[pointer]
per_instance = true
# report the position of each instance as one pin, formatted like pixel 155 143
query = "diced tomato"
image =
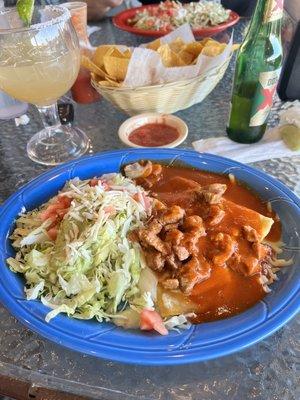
pixel 50 212
pixel 94 182
pixel 52 233
pixel 109 210
pixel 57 210
pixel 136 197
pixel 61 213
pixel 64 201
pixel 151 320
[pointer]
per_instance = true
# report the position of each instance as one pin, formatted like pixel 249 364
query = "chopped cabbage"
pixel 178 322
pixel 91 269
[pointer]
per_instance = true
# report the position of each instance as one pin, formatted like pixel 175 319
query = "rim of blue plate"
pixel 255 323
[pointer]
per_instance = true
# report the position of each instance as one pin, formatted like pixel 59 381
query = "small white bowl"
pixel 152 118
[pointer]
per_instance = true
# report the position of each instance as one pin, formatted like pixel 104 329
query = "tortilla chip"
pixel 100 52
pixel 169 58
pixel 213 43
pixel 177 45
pixel 88 64
pixel 194 48
pixel 154 45
pixel 213 50
pixel 109 49
pixel 115 52
pixel 127 53
pixel 207 40
pixel 186 57
pixel 116 67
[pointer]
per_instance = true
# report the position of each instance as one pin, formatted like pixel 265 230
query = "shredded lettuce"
pixel 178 322
pixel 91 269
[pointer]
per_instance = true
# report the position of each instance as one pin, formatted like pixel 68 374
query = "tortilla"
pixel 246 216
pixel 173 302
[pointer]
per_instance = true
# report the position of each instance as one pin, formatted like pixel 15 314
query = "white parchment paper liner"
pixel 146 68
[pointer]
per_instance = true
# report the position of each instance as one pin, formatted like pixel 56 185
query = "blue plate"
pixel 201 342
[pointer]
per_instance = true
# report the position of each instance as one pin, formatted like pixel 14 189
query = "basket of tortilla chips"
pixel 160 77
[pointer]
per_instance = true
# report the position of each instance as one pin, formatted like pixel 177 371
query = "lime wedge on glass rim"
pixel 290 134
pixel 25 10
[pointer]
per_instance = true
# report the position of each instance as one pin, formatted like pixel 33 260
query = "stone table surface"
pixel 268 370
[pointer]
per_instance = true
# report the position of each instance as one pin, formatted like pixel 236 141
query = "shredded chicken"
pixel 234 262
pixel 150 239
pixel 145 173
pixel 181 252
pixel 155 226
pixel 250 266
pixel 172 215
pixel 213 193
pixel 192 222
pixel 193 229
pixel 138 170
pixel 155 259
pixel 216 214
pixel 226 246
pixel 170 245
pixel 158 205
pixel 170 227
pixel 171 262
pixel 192 273
pixel 174 236
pixel 261 250
pixel 250 234
pixel 190 242
pixel 156 169
pixel 172 240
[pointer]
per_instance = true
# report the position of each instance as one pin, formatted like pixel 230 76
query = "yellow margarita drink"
pixel 39 63
pixel 42 82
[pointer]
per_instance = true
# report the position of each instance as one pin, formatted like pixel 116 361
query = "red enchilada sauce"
pixel 153 135
pixel 226 292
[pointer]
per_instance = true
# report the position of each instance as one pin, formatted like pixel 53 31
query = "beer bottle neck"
pixel 267 18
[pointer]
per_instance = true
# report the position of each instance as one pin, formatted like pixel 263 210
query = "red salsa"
pixel 153 135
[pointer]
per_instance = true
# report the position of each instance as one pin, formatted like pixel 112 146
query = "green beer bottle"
pixel 257 72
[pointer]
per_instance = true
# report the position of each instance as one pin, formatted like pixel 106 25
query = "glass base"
pixel 56 145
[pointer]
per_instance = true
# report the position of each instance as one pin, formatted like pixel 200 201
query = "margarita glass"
pixel 39 64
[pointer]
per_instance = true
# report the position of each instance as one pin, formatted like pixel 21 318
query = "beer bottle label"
pixel 273 10
pixel 263 98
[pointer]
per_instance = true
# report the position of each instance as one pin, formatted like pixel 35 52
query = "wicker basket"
pixel 164 98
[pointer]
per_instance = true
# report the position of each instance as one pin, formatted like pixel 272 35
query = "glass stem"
pixel 49 115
